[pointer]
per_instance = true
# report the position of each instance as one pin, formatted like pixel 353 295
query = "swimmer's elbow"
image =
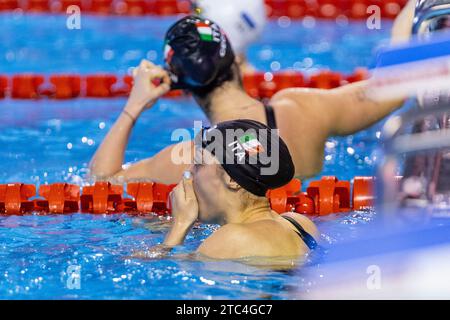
pixel 99 172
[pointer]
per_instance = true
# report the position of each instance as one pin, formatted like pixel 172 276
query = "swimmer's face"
pixel 209 187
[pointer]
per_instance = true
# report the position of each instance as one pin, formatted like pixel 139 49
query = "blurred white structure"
pixel 242 20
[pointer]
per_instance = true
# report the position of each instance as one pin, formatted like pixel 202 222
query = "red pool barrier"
pixel 277 8
pixel 285 199
pixel 37 5
pixel 7 5
pixel 148 197
pixel 62 5
pixel 251 83
pixel 305 205
pixel 323 197
pixel 363 193
pixel 289 79
pixel 100 86
pixel 330 8
pixel 102 7
pixel 15 198
pixel 101 198
pixel 297 9
pixel 59 198
pixel 294 9
pixel 359 74
pixel 267 89
pixel 132 7
pixel 326 80
pixel 166 7
pixel 3 86
pixel 66 86
pixel 26 86
pixel 330 195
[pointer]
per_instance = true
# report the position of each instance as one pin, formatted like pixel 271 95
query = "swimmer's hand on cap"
pixel 184 211
pixel 145 92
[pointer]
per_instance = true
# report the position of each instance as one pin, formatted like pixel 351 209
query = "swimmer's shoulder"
pixel 304 98
pixel 231 241
pixel 305 222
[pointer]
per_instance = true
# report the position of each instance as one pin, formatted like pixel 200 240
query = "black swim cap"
pixel 251 153
pixel 197 53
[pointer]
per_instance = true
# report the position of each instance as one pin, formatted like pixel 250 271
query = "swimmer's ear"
pixel 228 181
pixel 232 185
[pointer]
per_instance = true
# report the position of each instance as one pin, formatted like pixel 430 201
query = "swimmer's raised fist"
pixel 150 83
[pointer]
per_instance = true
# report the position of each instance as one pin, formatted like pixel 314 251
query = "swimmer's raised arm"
pixel 350 108
pixel 401 30
pixel 161 167
pixel 341 111
pixel 107 161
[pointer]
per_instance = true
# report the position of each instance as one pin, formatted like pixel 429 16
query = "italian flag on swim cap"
pixel 168 53
pixel 250 144
pixel 205 31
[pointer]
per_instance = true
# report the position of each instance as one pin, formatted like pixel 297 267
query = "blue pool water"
pixel 49 141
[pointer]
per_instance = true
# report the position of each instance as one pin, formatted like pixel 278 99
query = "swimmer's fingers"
pixel 188 189
pixel 159 73
pixel 147 67
pixel 162 89
pixel 145 64
pixel 147 72
pixel 177 193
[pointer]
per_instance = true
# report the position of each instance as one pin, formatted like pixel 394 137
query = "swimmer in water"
pixel 242 21
pixel 200 60
pixel 227 186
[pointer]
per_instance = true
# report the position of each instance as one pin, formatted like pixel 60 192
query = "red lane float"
pixel 7 5
pixel 294 9
pixel 330 195
pixel 58 198
pixel 3 86
pixel 65 86
pixel 26 86
pixel 37 6
pixel 14 198
pixel 363 193
pixel 323 197
pixel 103 197
pixel 148 197
pixel 68 86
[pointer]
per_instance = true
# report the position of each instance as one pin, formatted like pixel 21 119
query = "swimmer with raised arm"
pixel 240 160
pixel 200 60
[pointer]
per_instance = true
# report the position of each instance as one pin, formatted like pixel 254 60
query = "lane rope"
pixel 322 197
pixel 259 85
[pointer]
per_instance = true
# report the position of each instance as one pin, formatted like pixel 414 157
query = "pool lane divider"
pixel 294 9
pixel 259 85
pixel 322 197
